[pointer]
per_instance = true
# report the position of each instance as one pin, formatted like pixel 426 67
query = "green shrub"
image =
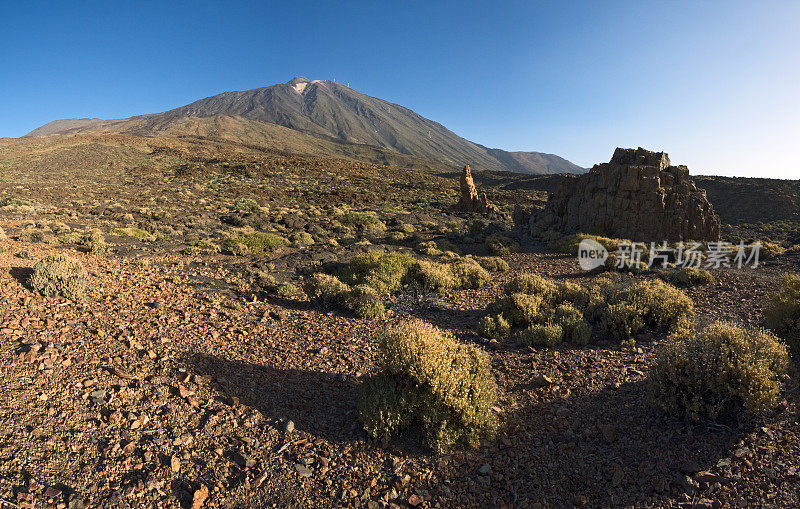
pixel 384 272
pixel 467 273
pixel 430 380
pixel 286 290
pixel 359 218
pixel 59 275
pixel 499 244
pixel 621 320
pixel 541 334
pixel 71 238
pixel 531 284
pixel 520 309
pixel 493 263
pixel 658 303
pixel 365 302
pixel 326 289
pixel 254 242
pixel 428 248
pixel 494 327
pixel 31 234
pixel 782 314
pixel 136 233
pixel 570 318
pixel 770 250
pixel 247 205
pixel 687 276
pixel 573 293
pixel 302 239
pixel 202 247
pixel 717 372
pixel 432 276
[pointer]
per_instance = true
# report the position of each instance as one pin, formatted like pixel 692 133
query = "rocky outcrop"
pixel 638 195
pixel 470 201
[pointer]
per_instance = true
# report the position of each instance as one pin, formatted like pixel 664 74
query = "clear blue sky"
pixel 715 84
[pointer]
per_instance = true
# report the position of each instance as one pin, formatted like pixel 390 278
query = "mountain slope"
pixel 332 111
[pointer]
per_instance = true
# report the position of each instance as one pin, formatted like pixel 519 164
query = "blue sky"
pixel 715 84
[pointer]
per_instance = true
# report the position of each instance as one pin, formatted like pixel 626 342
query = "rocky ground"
pixel 182 383
pixel 153 393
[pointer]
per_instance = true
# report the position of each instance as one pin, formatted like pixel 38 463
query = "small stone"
pixel 200 497
pixel 288 427
pixel 303 470
pixel 542 380
pixel 415 500
pixel 175 464
pixel 485 469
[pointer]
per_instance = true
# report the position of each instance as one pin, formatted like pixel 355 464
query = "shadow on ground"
pixel 321 404
pixel 21 274
pixel 604 449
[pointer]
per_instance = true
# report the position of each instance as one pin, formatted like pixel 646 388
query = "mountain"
pixel 329 111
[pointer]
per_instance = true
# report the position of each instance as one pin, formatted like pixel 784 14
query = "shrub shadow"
pixel 603 449
pixel 21 274
pixel 320 404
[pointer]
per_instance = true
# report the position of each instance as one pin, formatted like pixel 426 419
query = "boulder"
pixel 637 195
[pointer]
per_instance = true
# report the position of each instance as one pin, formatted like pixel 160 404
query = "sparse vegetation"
pixel 717 372
pixel 782 314
pixel 58 275
pixel 430 380
pixel 254 242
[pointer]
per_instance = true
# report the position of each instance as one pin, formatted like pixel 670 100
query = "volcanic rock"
pixel 470 201
pixel 638 195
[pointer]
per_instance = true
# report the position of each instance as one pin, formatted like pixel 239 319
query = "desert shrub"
pixel 658 303
pixel 717 372
pixel 770 250
pixel 359 218
pixel 467 273
pixel 254 242
pixel 493 264
pixel 71 238
pixel 432 276
pixel 782 314
pixel 499 244
pixel 428 248
pixel 58 275
pixel 575 329
pixel 541 334
pixel 365 302
pixel 621 320
pixel 326 289
pixel 136 233
pixel 94 241
pixel 246 205
pixel 384 272
pixel 494 326
pixel 302 239
pixel 202 247
pixel 520 309
pixel 687 276
pixel 430 380
pixel 286 290
pixel 31 234
pixel 573 293
pixel 531 284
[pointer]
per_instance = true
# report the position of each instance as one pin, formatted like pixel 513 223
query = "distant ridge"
pixel 333 112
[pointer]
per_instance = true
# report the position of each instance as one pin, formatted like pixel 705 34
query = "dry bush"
pixel 467 273
pixel 541 334
pixel 687 276
pixel 430 380
pixel 365 302
pixel 782 314
pixel 384 272
pixel 494 326
pixel 58 275
pixel 254 242
pixel 326 289
pixel 493 263
pixel 717 372
pixel 499 244
pixel 432 276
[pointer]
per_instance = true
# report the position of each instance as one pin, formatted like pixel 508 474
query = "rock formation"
pixel 470 201
pixel 638 195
